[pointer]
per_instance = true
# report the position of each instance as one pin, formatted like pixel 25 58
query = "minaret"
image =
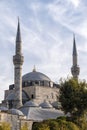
pixel 18 60
pixel 75 68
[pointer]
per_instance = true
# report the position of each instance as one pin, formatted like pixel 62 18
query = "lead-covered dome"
pixel 11 96
pixel 16 112
pixel 35 76
pixel 30 104
pixel 2 108
pixel 45 104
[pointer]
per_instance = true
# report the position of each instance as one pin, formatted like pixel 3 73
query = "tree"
pixel 55 124
pixel 25 127
pixel 73 97
pixel 40 126
pixel 4 126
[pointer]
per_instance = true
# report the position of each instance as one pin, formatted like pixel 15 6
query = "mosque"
pixel 33 96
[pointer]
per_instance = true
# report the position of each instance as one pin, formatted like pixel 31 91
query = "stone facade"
pixel 38 93
pixel 41 93
pixel 16 122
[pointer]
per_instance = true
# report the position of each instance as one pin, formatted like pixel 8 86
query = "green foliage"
pixel 4 126
pixel 40 126
pixel 58 124
pixel 71 126
pixel 82 123
pixel 24 127
pixel 73 97
pixel 53 125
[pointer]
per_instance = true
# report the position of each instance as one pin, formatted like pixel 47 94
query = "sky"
pixel 47 28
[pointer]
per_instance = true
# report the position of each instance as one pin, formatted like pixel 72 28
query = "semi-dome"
pixel 2 108
pixel 35 76
pixel 16 112
pixel 11 96
pixel 45 104
pixel 30 104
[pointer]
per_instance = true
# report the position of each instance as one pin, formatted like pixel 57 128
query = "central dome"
pixel 35 76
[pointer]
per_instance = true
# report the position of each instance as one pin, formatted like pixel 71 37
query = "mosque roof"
pixel 2 108
pixel 45 104
pixel 11 96
pixel 30 104
pixel 15 112
pixel 35 76
pixel 40 114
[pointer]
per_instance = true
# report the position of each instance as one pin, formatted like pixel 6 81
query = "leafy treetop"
pixel 73 96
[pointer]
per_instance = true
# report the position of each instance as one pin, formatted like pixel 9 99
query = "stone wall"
pixel 41 93
pixel 15 121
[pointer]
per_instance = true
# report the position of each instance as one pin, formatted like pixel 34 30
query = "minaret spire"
pixel 34 69
pixel 74 46
pixel 18 39
pixel 74 51
pixel 75 68
pixel 18 36
pixel 18 60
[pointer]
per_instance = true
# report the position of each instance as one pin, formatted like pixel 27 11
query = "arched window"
pixel 41 83
pixel 10 103
pixel 52 95
pixel 32 96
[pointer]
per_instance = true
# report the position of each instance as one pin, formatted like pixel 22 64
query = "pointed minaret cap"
pixel 74 45
pixel 18 36
pixel 34 69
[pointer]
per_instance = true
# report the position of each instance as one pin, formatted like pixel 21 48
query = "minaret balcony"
pixel 18 59
pixel 75 70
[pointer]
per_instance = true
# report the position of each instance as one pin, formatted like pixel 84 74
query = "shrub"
pixel 58 124
pixel 24 127
pixel 5 126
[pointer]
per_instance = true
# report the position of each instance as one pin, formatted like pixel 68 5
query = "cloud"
pixel 72 19
pixel 75 2
pixel 46 29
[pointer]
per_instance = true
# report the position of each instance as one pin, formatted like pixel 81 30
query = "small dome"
pixel 16 112
pixel 30 104
pixel 56 105
pixel 45 104
pixel 35 76
pixel 2 108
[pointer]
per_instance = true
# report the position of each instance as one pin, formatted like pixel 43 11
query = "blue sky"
pixel 47 28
